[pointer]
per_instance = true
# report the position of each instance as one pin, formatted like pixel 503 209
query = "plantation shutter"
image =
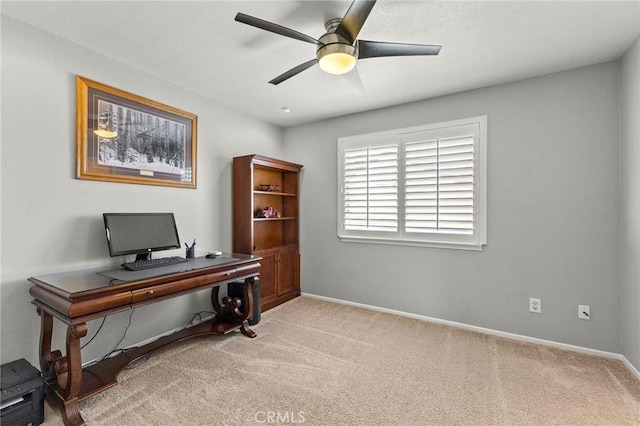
pixel 439 184
pixel 371 188
pixel 417 186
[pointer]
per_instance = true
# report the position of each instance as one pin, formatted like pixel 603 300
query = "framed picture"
pixel 121 137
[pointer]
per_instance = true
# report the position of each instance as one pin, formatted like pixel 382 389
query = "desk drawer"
pixel 182 286
pixel 83 307
pixel 247 269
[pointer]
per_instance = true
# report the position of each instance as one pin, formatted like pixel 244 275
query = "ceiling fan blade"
pixel 353 20
pixel 353 80
pixel 293 71
pixel 375 49
pixel 274 28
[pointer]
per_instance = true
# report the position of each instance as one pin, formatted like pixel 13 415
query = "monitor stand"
pixel 143 256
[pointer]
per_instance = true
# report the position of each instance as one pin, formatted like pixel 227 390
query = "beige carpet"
pixel 320 363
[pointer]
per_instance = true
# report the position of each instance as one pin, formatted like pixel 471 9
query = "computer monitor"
pixel 140 233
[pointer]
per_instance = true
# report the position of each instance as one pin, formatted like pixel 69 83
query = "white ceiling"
pixel 198 46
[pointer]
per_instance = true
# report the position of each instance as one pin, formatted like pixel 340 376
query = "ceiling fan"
pixel 338 49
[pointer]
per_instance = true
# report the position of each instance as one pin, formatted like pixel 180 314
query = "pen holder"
pixel 191 252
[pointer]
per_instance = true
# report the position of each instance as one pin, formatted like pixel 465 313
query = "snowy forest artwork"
pixel 142 141
pixel 126 138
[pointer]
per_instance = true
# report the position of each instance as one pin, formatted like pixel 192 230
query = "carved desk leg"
pixel 63 375
pixel 69 375
pixel 248 296
pixel 228 309
pixel 47 358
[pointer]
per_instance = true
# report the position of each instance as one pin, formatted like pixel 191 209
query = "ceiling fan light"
pixel 337 58
pixel 337 63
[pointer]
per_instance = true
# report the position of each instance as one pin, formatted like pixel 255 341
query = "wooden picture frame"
pixel 122 137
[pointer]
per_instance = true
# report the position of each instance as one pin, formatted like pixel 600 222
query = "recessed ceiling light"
pixel 285 109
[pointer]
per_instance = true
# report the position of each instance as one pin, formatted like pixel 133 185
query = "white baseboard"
pixel 630 366
pixel 490 331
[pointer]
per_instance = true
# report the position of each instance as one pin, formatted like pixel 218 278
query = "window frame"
pixel 401 137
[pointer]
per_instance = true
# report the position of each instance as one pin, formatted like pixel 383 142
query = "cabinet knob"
pixel 150 292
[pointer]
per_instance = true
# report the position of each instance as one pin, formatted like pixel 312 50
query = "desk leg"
pixel 47 358
pixel 62 374
pixel 68 371
pixel 248 296
pixel 228 309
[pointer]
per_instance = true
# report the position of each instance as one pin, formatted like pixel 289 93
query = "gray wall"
pixel 630 198
pixel 553 214
pixel 52 221
pixel 554 217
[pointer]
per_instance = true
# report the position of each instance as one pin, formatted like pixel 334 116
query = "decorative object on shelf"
pixel 267 213
pixel 270 188
pixel 126 138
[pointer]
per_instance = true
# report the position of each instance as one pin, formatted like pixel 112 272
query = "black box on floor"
pixel 235 290
pixel 22 394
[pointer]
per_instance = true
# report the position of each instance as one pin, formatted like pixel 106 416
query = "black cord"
pixel 115 349
pixel 94 336
pixel 199 316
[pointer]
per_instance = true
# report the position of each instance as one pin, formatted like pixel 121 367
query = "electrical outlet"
pixel 535 305
pixel 584 312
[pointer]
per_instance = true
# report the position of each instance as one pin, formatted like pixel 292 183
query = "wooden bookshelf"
pixel 274 238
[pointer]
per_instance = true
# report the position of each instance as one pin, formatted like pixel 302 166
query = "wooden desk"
pixel 80 296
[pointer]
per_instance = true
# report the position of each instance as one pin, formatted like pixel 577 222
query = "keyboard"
pixel 139 265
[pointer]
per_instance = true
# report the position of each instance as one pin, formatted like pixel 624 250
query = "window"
pixel 421 186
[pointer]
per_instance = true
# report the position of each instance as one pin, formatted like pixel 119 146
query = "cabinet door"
pixel 267 276
pixel 287 270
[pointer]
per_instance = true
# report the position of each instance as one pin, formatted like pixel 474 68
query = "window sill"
pixel 411 243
